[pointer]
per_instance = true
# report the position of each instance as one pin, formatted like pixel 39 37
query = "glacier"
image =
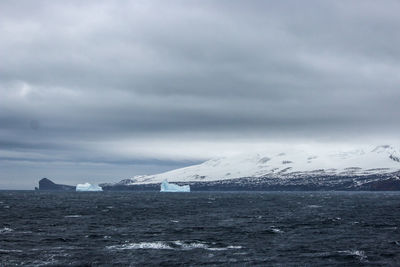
pixel 88 187
pixel 167 187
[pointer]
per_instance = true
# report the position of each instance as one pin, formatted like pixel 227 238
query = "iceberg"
pixel 167 187
pixel 88 187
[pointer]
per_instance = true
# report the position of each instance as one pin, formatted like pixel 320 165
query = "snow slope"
pixel 285 165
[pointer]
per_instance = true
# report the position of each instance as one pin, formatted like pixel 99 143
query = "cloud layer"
pixel 144 86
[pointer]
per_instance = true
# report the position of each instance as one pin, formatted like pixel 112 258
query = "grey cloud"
pixel 82 73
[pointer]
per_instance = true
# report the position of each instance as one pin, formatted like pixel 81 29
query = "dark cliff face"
pixel 46 184
pixel 385 182
pixel 391 184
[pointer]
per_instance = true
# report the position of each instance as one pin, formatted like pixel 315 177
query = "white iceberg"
pixel 88 187
pixel 167 187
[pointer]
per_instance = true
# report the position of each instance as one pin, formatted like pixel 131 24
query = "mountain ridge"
pixel 357 167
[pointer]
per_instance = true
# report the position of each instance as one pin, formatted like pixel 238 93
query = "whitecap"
pixel 188 246
pixel 240 253
pixel 10 250
pixel 216 249
pixel 73 216
pixel 234 247
pixel 170 245
pixel 357 253
pixel 201 245
pixel 6 230
pixel 314 206
pixel 276 230
pixel 142 245
pixel 223 248
pixel 24 232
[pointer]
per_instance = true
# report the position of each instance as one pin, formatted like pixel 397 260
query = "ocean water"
pixel 232 229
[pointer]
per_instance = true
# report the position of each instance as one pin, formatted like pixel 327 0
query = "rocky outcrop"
pixel 47 184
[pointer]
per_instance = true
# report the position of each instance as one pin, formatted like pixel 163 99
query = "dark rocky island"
pixel 48 185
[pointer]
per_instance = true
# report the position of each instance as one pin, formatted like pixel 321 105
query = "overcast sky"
pixel 103 90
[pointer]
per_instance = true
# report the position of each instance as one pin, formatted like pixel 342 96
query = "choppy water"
pixel 129 228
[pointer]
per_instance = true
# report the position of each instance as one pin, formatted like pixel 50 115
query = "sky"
pixel 101 91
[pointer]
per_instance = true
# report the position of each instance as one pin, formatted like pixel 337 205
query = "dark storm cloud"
pixel 78 80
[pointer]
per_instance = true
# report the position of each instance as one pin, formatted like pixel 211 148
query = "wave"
pixel 314 206
pixel 355 253
pixel 10 250
pixel 172 245
pixel 275 230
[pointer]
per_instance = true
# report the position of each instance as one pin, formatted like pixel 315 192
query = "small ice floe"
pixel 170 245
pixel 87 187
pixel 6 230
pixel 167 187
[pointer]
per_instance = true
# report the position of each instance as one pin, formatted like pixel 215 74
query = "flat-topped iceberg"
pixel 88 187
pixel 167 187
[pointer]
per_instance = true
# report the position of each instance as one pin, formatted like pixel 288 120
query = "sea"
pixel 199 228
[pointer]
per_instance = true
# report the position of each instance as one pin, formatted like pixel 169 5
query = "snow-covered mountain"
pixel 285 166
